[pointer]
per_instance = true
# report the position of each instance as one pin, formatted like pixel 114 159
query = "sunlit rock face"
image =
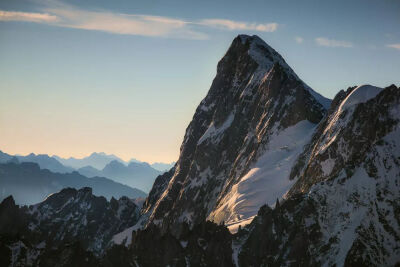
pixel 343 209
pixel 240 146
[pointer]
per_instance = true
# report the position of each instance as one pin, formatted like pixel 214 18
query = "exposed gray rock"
pixel 254 95
pixel 68 216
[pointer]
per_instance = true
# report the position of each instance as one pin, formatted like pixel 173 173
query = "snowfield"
pixel 268 179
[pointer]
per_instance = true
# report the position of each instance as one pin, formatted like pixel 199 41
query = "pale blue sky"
pixel 125 77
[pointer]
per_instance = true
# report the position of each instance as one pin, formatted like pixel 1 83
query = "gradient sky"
pixel 125 77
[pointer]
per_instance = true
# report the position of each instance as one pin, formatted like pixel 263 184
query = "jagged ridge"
pixel 254 96
pixel 65 217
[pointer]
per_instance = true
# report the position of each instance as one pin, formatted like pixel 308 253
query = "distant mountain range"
pixel 29 184
pixel 162 166
pixel 134 173
pixel 96 160
pixel 139 175
pixel 99 160
pixel 44 161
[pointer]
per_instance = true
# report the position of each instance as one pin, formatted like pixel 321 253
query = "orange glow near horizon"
pixel 73 138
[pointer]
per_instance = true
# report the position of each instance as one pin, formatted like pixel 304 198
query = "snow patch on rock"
pixel 361 94
pixel 327 166
pixel 268 178
pixel 214 131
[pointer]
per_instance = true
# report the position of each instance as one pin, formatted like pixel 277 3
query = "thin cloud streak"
pixel 395 46
pixel 322 41
pixel 63 15
pixel 226 24
pixel 26 16
pixel 144 25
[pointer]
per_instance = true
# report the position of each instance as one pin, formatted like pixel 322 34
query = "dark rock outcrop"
pixel 66 217
pixel 206 244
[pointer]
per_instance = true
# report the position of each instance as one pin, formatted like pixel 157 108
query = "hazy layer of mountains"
pixel 134 173
pixel 44 161
pixel 140 175
pixel 270 174
pixel 100 160
pixel 29 184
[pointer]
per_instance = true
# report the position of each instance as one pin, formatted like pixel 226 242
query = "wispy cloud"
pixel 299 39
pixel 395 46
pixel 116 23
pixel 226 24
pixel 64 15
pixel 25 16
pixel 332 43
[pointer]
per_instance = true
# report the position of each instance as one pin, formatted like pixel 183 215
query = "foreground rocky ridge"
pixel 67 217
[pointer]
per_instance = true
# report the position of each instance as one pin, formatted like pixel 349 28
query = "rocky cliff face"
pixel 254 101
pixel 66 217
pixel 344 208
pixel 77 214
pixel 262 134
pixel 358 122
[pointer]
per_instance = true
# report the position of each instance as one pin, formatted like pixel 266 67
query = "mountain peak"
pixel 7 202
pixel 263 54
pixel 255 118
pixel 250 60
pixel 98 154
pixel 138 164
pixel 360 94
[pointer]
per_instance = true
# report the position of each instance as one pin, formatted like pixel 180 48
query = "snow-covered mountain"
pixel 244 138
pixel 318 183
pixel 343 209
